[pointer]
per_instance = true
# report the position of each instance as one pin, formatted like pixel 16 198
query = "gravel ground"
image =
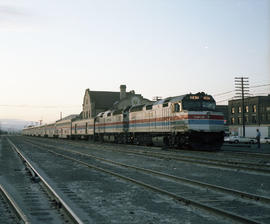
pixel 106 199
pixel 236 179
pixel 28 195
pixel 6 217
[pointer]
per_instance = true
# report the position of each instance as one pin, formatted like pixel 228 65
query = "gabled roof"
pixel 104 99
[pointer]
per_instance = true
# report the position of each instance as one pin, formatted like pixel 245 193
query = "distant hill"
pixel 13 125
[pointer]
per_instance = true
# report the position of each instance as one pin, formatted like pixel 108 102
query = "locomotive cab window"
pixel 208 105
pixel 199 105
pixel 149 107
pixel 177 107
pixel 118 112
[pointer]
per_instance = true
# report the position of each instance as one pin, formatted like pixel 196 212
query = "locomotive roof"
pixel 170 99
pixel 178 98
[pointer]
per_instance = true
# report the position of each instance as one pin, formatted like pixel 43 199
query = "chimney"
pixel 123 91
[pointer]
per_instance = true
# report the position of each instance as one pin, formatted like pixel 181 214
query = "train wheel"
pixel 166 141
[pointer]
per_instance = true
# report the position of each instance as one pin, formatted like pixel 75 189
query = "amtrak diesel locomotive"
pixel 189 120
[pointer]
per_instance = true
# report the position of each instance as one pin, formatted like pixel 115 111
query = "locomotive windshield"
pixel 199 102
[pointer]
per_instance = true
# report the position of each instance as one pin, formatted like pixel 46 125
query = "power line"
pixel 256 86
pixel 259 93
pixel 224 100
pixel 223 93
pixel 259 86
pixel 39 106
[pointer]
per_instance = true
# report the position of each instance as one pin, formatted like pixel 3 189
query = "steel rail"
pixel 253 154
pixel 14 206
pixel 197 160
pixel 209 209
pixel 217 161
pixel 235 154
pixel 68 210
pixel 175 156
pixel 257 198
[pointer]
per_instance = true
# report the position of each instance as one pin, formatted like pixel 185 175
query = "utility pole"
pixel 241 91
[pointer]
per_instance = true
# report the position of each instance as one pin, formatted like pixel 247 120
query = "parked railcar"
pixel 50 130
pixel 29 131
pixel 63 128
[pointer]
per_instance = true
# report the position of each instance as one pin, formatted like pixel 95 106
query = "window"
pixel 246 109
pixel 165 105
pixel 232 120
pixel 254 120
pixel 239 109
pixel 246 119
pixel 232 110
pixel 206 105
pixel 254 109
pixel 176 107
pixel 268 117
pixel 118 112
pixel 198 105
pixel 136 108
pixel 239 120
pixel 149 107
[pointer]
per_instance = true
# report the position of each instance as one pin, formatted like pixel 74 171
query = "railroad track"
pixel 247 153
pixel 202 196
pixel 9 210
pixel 217 163
pixel 176 152
pixel 58 212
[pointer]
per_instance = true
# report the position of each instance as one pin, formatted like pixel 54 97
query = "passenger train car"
pixel 189 120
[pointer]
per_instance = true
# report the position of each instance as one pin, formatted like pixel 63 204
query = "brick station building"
pixel 95 102
pixel 256 115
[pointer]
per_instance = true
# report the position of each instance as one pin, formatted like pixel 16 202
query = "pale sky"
pixel 52 50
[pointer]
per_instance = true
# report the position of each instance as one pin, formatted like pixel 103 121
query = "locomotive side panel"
pixel 114 123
